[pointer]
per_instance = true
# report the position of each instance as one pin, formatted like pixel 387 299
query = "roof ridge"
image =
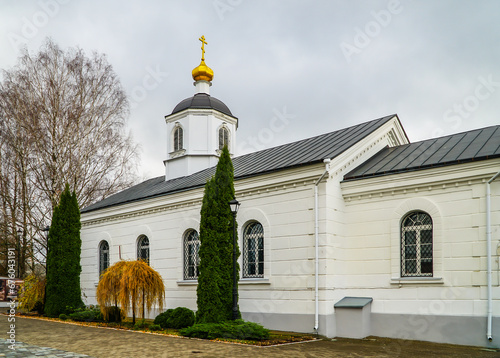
pixel 453 134
pixel 318 136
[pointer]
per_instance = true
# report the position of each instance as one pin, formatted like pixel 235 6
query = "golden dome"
pixel 203 72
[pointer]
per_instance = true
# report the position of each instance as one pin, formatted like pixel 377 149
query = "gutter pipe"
pixel 316 235
pixel 488 253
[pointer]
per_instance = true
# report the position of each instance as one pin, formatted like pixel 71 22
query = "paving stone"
pixel 24 350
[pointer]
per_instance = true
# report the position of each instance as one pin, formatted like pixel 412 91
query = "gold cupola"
pixel 203 72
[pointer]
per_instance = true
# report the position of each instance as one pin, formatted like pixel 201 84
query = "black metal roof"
pixel 202 101
pixel 304 152
pixel 479 144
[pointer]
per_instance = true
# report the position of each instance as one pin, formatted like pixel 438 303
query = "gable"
pixel 475 145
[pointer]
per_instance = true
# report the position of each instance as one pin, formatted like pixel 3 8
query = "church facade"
pixel 351 233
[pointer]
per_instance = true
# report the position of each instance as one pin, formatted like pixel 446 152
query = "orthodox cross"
pixel 203 43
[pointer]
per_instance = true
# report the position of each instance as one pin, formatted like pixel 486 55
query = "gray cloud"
pixel 418 59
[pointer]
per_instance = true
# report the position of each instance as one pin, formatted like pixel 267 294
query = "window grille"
pixel 191 256
pixel 416 245
pixel 253 251
pixel 143 249
pixel 103 256
pixel 223 137
pixel 178 139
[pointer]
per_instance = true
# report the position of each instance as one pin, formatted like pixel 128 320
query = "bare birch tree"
pixel 63 118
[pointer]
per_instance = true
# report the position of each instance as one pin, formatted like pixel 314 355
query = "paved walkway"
pixel 64 338
pixel 24 350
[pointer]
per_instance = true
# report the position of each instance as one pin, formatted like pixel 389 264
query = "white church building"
pixel 352 233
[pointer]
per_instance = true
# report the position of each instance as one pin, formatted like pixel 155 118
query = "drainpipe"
pixel 488 252
pixel 316 234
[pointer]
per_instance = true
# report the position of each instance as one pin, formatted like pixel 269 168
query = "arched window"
pixel 253 250
pixel 191 257
pixel 223 137
pixel 143 248
pixel 416 245
pixel 103 256
pixel 178 138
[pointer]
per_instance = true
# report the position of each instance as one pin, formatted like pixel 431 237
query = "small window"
pixel 223 137
pixel 416 245
pixel 191 255
pixel 178 138
pixel 143 249
pixel 103 257
pixel 253 250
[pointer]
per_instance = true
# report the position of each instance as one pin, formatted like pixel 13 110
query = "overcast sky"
pixel 287 69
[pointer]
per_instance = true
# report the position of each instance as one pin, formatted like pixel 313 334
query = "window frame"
pixel 417 229
pixel 191 262
pixel 103 251
pixel 178 138
pixel 258 255
pixel 141 247
pixel 226 137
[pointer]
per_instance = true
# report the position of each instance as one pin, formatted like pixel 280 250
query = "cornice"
pixel 422 181
pixel 200 112
pixel 121 213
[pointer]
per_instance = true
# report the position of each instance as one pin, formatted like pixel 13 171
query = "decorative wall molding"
pixel 271 188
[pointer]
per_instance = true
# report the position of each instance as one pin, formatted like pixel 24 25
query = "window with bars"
pixel 253 250
pixel 103 256
pixel 416 245
pixel 223 137
pixel 191 257
pixel 143 249
pixel 178 138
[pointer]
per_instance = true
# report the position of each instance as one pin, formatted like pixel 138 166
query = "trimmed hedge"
pixel 237 329
pixel 180 317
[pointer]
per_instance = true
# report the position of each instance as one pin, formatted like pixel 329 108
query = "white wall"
pixel 454 196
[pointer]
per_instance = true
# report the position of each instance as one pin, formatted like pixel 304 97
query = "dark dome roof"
pixel 202 101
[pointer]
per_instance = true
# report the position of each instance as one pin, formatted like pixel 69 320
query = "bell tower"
pixel 198 127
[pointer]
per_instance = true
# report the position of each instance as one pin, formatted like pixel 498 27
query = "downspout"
pixel 316 235
pixel 488 252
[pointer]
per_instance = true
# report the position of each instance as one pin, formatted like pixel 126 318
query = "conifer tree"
pixel 63 259
pixel 224 193
pixel 209 303
pixel 215 283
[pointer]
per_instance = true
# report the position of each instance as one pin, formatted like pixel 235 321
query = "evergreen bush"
pixel 155 327
pixel 237 329
pixel 140 325
pixel 87 314
pixel 177 318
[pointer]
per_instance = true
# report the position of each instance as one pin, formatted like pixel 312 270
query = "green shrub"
pixel 142 324
pixel 63 316
pixel 87 314
pixel 155 327
pixel 162 318
pixel 238 329
pixel 180 317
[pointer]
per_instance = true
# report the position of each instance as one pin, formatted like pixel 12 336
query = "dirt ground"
pixel 110 343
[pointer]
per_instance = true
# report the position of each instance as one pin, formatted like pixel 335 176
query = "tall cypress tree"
pixel 215 283
pixel 224 193
pixel 63 258
pixel 210 308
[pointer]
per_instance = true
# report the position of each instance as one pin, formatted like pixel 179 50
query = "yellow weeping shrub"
pixel 131 285
pixel 32 292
